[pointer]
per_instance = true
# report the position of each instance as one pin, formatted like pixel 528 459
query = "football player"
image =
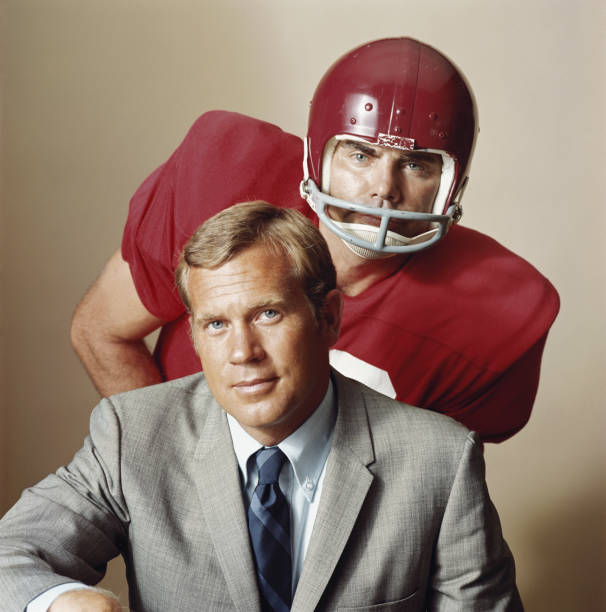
pixel 435 315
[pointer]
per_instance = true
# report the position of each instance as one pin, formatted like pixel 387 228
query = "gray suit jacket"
pixel 404 523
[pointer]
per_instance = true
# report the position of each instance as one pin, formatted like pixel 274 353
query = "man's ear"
pixel 332 310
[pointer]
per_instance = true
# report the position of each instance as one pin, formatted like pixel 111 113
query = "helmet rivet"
pixel 368 106
pixel 433 116
pixel 396 130
pixel 400 111
pixel 352 120
pixel 442 135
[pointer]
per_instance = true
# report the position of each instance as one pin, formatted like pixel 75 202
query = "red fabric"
pixel 460 329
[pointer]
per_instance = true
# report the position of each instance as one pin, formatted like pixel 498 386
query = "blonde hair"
pixel 285 232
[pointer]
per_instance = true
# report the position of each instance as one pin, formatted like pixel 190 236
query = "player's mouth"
pixel 366 220
pixel 354 217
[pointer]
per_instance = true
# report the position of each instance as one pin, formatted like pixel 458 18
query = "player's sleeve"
pixel 224 158
pixel 149 243
pixel 167 208
pixel 502 408
pixel 508 309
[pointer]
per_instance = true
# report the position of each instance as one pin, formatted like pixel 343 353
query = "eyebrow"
pixel 356 144
pixel 404 154
pixel 422 156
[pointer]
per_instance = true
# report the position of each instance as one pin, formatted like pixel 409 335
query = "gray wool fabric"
pixel 404 523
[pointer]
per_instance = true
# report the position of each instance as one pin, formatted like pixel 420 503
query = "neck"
pixel 354 273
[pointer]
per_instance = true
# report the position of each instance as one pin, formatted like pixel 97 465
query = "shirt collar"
pixel 307 447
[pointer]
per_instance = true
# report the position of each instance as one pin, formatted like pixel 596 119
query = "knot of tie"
pixel 269 463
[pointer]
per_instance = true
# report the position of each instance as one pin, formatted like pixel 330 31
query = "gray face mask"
pixel 373 242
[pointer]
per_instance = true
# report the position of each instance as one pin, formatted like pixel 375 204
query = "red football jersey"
pixel 459 329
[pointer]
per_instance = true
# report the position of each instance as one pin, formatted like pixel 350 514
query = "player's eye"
pixel 215 325
pixel 414 165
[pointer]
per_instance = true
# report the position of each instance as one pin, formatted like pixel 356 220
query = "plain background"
pixel 97 93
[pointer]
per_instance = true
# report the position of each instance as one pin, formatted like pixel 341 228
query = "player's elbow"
pixel 77 331
pixel 84 331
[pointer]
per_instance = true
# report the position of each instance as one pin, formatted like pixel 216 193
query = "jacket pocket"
pixel 407 604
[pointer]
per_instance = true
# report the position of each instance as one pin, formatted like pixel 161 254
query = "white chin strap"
pixel 370 233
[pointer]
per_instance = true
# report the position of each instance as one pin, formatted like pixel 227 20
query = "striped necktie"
pixel 269 527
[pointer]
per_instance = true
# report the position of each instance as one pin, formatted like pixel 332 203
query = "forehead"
pixel 256 275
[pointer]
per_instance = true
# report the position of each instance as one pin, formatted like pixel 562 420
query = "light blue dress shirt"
pixel 302 475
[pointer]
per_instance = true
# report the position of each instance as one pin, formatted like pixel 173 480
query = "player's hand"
pixel 85 600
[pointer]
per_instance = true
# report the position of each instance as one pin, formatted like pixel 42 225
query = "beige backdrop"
pixel 96 93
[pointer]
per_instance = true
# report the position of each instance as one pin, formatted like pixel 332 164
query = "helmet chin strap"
pixel 369 233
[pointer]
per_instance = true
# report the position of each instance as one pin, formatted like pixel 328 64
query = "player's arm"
pixel 107 332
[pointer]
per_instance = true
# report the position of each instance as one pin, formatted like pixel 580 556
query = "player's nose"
pixel 387 183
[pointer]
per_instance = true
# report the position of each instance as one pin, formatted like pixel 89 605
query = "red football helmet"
pixel 401 93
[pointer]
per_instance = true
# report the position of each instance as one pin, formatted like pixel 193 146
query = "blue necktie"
pixel 269 527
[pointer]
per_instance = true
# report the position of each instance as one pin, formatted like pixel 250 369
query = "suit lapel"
pixel 219 480
pixel 346 484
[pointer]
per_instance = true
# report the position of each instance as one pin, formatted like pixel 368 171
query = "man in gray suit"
pixel 373 505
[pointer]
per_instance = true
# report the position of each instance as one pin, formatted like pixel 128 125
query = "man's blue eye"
pixel 216 324
pixel 269 313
